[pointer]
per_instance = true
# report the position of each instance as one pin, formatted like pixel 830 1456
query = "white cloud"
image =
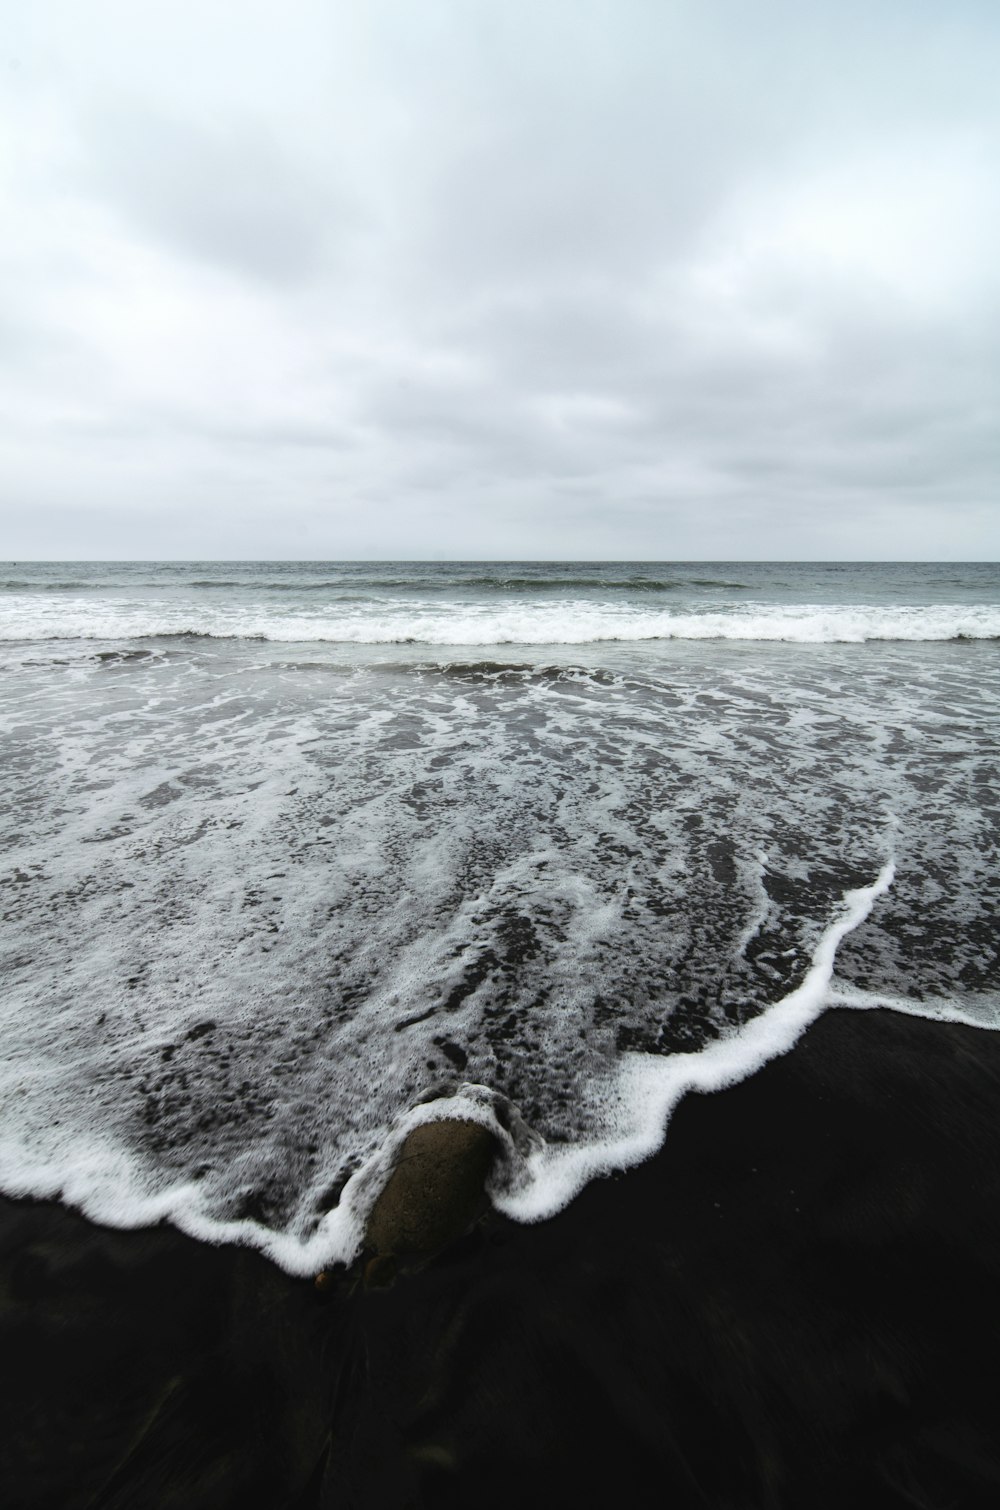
pixel 643 279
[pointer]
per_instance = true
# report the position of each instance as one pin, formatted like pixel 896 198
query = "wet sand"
pixel 795 1304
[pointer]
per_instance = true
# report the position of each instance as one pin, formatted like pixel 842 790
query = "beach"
pixel 667 892
pixel 794 1303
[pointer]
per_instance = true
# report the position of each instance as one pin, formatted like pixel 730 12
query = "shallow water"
pixel 264 897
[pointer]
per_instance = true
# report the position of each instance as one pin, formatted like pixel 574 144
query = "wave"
pixel 495 582
pixel 555 623
pixel 283 886
pixel 25 584
pixel 628 1113
pixel 423 584
pixel 548 584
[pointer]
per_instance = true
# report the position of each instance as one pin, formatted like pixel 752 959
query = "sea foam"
pixel 261 911
pixel 636 1104
pixel 32 617
pixel 628 1114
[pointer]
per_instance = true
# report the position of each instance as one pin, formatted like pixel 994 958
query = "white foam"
pixel 558 622
pixel 629 1114
pixel 356 877
pixel 639 1100
pixel 112 1187
pixel 973 1010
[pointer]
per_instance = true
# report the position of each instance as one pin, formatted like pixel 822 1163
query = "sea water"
pixel 297 854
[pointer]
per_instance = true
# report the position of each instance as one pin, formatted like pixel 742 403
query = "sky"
pixel 518 279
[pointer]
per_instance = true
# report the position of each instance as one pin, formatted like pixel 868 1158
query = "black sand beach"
pixel 795 1304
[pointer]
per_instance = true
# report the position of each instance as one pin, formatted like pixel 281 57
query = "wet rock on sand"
pixel 433 1195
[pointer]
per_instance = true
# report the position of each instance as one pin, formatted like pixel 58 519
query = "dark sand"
pixel 796 1304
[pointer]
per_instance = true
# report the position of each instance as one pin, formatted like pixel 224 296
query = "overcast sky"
pixel 484 278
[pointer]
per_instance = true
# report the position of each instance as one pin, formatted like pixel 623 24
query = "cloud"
pixel 571 279
pixel 226 193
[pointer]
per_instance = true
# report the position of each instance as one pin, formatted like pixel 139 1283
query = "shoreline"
pixel 796 1301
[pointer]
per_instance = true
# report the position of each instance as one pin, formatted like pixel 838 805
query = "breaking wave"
pixel 541 623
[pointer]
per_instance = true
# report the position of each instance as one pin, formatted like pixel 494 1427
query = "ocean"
pixel 298 854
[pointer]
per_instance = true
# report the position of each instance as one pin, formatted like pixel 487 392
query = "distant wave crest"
pixel 493 583
pixel 362 585
pixel 552 623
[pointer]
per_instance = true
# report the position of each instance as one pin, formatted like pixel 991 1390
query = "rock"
pixel 435 1192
